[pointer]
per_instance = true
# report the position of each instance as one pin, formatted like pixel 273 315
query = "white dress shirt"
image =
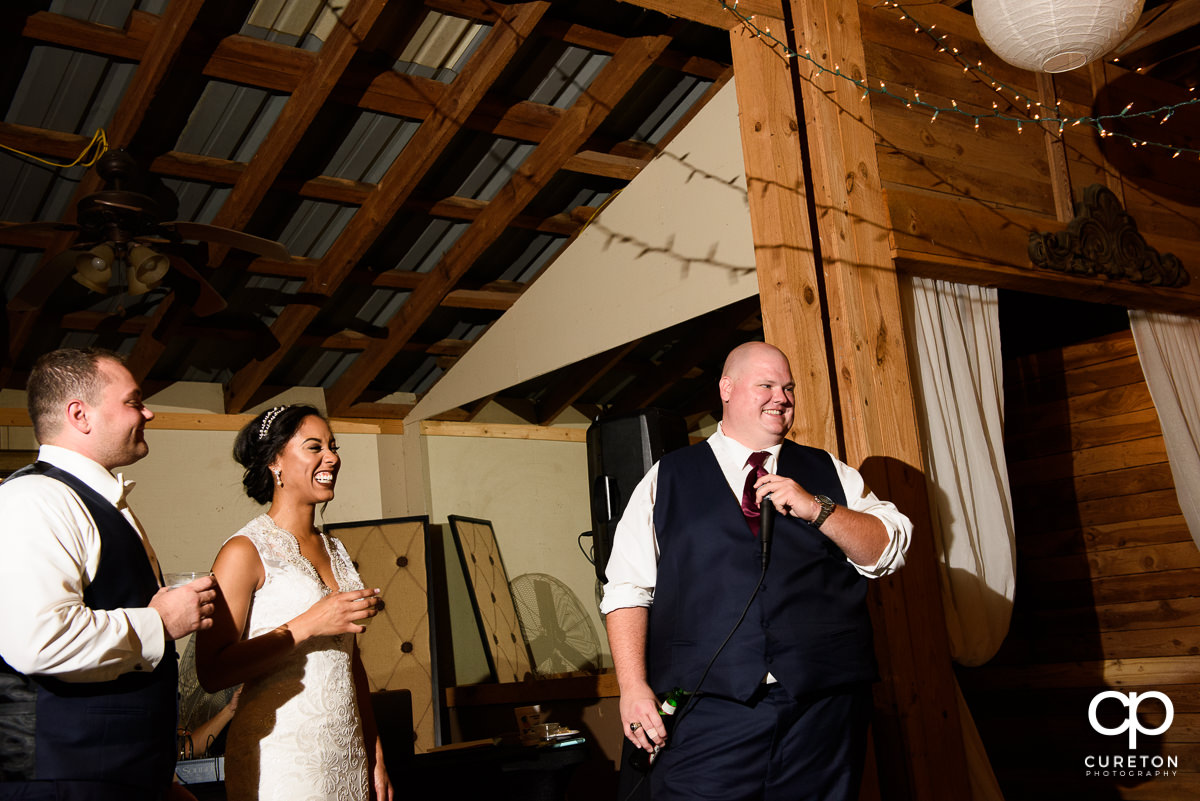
pixel 632 568
pixel 49 553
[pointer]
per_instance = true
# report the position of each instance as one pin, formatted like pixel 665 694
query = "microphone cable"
pixel 767 523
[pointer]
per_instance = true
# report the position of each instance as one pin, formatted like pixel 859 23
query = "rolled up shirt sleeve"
pixel 52 551
pixel 632 569
pixel 899 527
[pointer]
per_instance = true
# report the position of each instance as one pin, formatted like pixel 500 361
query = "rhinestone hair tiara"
pixel 268 418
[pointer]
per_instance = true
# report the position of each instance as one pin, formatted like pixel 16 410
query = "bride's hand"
pixel 381 784
pixel 336 613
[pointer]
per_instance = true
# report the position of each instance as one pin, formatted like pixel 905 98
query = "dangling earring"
pixel 278 476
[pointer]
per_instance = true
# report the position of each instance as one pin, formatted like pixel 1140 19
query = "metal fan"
pixel 121 225
pixel 555 624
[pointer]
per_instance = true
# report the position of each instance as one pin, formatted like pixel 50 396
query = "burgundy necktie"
pixel 750 506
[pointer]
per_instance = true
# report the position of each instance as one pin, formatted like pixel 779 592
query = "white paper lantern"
pixel 1054 35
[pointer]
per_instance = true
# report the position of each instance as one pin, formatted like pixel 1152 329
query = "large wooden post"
pixel 841 327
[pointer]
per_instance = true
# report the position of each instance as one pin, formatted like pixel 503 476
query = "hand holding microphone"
pixel 766 528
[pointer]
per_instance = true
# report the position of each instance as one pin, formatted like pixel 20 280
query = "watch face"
pixel 827 507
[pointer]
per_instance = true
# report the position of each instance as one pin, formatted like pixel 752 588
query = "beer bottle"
pixel 642 760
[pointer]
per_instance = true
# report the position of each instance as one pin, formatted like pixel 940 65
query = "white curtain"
pixel 953 333
pixel 1169 349
pixel 954 343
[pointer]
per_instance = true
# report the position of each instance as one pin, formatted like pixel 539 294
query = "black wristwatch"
pixel 827 507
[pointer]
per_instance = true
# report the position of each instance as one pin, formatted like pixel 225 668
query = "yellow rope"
pixel 99 144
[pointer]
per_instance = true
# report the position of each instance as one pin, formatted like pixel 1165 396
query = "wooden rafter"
pixel 306 100
pixel 1158 24
pixel 268 161
pixel 710 12
pixel 209 169
pixel 712 338
pixel 576 125
pixel 397 185
pixel 247 60
pixel 180 22
pixel 578 380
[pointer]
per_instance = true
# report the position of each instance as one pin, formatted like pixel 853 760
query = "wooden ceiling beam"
pixel 498 298
pixel 340 190
pixel 180 21
pixel 91 37
pixel 30 240
pixel 615 79
pixel 449 347
pixel 309 97
pixel 104 322
pixel 401 180
pixel 383 411
pixel 478 406
pixel 605 42
pixel 269 159
pixel 93 322
pixel 277 67
pixel 1157 24
pixel 480 299
pixel 590 38
pixel 709 12
pixel 42 141
pixel 578 379
pixel 712 336
pixel 605 164
pixel 212 170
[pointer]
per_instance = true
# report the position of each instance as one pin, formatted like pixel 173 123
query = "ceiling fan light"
pixel 93 268
pixel 147 269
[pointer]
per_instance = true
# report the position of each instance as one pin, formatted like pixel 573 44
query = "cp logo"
pixel 1133 725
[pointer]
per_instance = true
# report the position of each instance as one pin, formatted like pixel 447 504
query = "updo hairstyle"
pixel 261 440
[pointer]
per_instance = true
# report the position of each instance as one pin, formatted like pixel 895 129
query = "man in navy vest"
pixel 88 670
pixel 783 697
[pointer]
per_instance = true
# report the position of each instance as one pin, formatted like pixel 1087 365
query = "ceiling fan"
pixel 122 226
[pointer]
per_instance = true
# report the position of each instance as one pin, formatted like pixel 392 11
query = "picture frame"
pixel 509 659
pixel 398 649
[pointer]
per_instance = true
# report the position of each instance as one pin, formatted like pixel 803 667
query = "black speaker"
pixel 621 449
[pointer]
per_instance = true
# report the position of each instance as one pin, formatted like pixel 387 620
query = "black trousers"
pixel 772 748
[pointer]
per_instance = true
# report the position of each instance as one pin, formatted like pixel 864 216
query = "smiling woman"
pixel 291 602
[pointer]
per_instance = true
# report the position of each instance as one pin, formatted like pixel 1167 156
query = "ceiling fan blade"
pixel 230 238
pixel 39 235
pixel 33 227
pixel 204 298
pixel 45 279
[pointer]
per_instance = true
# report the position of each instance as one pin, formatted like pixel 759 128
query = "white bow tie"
pixel 126 488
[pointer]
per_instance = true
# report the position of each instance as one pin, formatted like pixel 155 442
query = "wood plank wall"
pixel 1108 584
pixel 971 194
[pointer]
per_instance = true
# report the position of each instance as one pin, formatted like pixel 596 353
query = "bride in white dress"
pixel 285 626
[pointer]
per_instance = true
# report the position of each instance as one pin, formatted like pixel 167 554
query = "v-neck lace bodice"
pixel 285 544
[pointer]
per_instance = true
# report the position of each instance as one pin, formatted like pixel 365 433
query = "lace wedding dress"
pixel 297 735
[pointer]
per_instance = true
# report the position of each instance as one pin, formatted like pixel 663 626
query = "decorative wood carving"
pixel 1103 241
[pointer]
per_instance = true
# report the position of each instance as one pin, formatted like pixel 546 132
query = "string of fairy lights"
pixel 1036 112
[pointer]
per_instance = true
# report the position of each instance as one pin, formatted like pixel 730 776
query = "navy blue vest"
pixel 94 735
pixel 808 626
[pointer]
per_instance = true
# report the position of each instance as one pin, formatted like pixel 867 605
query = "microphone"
pixel 766 526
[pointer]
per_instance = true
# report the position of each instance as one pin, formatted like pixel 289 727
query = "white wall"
pixel 189 494
pixel 535 493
